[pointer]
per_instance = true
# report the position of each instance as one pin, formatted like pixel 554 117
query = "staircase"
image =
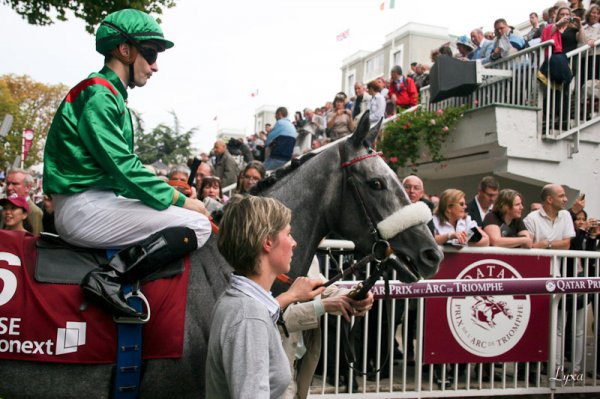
pixel 513 131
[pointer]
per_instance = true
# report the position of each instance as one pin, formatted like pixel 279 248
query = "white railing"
pixel 520 89
pixel 569 109
pixel 565 111
pixel 404 379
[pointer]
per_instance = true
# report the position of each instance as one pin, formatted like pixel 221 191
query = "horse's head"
pixel 373 198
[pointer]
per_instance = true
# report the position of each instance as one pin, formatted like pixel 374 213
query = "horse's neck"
pixel 312 193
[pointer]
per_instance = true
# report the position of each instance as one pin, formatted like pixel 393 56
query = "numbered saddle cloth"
pixel 44 322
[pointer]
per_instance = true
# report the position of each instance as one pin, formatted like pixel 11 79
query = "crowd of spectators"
pixel 493 217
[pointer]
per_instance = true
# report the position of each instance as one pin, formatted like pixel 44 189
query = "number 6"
pixel 8 277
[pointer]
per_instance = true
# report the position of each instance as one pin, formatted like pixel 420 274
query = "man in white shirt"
pixel 487 192
pixel 551 226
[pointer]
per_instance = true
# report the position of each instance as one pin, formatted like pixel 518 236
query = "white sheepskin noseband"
pixel 404 218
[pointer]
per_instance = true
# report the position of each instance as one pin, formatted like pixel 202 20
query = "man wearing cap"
pixel 402 90
pixel 103 196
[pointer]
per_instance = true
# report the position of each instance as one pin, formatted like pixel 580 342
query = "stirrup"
pixel 135 294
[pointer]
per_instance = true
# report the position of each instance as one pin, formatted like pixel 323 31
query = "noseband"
pixel 404 218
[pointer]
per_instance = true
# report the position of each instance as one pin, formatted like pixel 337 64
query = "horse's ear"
pixel 361 132
pixel 373 133
pixel 363 136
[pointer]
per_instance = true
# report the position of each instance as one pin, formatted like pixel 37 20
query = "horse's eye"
pixel 377 184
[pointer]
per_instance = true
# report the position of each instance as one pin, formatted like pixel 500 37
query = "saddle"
pixel 59 262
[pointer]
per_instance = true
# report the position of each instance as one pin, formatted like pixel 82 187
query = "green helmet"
pixel 128 26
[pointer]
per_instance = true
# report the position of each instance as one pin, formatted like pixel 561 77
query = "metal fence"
pixel 565 110
pixel 403 377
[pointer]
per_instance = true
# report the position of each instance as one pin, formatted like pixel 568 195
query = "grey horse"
pixel 345 188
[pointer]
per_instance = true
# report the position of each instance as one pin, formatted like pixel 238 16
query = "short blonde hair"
pixel 448 198
pixel 246 223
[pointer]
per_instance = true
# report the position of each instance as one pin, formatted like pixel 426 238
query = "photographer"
pixel 339 121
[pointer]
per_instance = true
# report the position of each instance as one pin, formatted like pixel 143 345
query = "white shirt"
pixel 482 213
pixel 543 228
pixel 465 224
pixel 376 108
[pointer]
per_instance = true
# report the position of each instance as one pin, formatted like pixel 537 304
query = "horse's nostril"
pixel 432 255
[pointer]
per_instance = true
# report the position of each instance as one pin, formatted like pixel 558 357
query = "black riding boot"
pixel 131 264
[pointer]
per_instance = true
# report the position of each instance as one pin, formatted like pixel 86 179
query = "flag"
pixel 254 93
pixel 382 6
pixel 392 3
pixel 343 35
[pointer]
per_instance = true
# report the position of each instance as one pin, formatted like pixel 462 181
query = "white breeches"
pixel 101 219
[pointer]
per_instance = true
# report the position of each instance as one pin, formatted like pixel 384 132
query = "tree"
pixel 32 104
pixel 43 12
pixel 164 142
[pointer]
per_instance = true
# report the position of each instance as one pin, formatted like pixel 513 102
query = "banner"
pixel 488 328
pixel 27 141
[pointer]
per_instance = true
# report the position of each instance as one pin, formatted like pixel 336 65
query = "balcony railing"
pixel 564 111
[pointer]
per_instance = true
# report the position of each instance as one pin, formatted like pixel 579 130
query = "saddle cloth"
pixel 44 322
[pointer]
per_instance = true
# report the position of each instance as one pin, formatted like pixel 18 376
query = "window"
pixel 350 80
pixel 374 67
pixel 397 57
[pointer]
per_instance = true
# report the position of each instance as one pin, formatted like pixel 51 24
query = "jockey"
pixel 103 196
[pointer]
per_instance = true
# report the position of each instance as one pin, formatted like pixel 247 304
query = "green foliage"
pixel 167 143
pixel 404 138
pixel 32 104
pixel 43 12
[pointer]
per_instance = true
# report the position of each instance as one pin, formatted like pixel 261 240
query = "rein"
pixel 381 253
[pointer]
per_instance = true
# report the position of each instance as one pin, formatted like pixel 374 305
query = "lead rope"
pixel 348 334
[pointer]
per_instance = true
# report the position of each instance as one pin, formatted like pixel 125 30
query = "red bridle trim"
pixel 358 159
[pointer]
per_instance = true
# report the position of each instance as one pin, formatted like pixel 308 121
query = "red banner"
pixel 44 322
pixel 488 328
pixel 28 135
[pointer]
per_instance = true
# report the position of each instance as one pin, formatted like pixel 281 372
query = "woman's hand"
pixel 304 289
pixel 347 306
pixel 461 237
pixel 564 21
pixel 527 242
pixel 195 205
pixel 363 306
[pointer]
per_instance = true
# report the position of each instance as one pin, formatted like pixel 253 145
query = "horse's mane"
pixel 280 173
pixel 294 164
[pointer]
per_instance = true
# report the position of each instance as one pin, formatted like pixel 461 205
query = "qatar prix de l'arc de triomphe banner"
pixel 487 328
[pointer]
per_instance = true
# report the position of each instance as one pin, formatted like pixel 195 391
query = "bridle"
pixel 381 248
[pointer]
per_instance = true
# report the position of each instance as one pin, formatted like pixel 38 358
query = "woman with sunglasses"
pixel 103 196
pixel 452 225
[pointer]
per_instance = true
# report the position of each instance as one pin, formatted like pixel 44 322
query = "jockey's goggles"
pixel 150 54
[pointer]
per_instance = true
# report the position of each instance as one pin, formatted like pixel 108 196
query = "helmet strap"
pixel 133 53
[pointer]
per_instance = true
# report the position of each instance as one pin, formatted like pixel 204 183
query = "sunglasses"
pixel 149 54
pixel 459 203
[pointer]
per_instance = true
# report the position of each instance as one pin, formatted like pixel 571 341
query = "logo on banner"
pixel 70 338
pixel 488 325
